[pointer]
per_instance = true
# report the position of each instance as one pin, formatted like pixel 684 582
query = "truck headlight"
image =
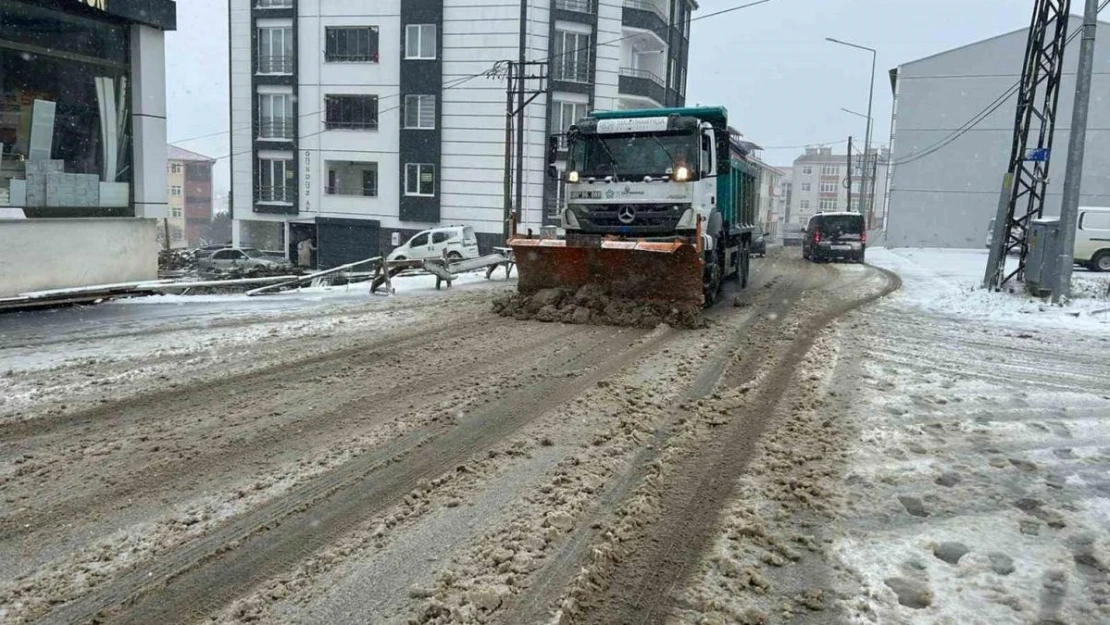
pixel 681 174
pixel 572 176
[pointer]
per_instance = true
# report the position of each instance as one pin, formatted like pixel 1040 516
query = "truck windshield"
pixel 632 156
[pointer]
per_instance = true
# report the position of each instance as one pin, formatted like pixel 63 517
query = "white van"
pixel 451 242
pixel 1092 239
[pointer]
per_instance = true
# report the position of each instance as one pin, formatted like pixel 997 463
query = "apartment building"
pixel 359 124
pixel 819 184
pixel 189 190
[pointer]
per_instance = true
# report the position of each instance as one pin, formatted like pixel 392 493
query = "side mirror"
pixel 552 150
pixel 553 172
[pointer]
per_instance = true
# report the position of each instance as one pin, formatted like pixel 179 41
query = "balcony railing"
pixel 276 128
pixel 282 64
pixel 578 6
pixel 648 5
pixel 367 190
pixel 643 73
pixel 273 4
pixel 283 195
pixel 570 71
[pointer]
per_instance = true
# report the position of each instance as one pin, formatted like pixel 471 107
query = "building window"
pixel 175 211
pixel 578 6
pixel 806 187
pixel 351 112
pixel 274 4
pixel 175 168
pixel 275 181
pixel 420 179
pixel 830 170
pixel 804 205
pixel 175 191
pixel 352 178
pixel 420 41
pixel 571 57
pixel 420 112
pixel 807 171
pixel 65 110
pixel 827 204
pixel 564 115
pixel 275 115
pixel 351 44
pixel 275 50
pixel 828 187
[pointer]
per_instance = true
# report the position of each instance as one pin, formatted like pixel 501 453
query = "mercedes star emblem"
pixel 626 214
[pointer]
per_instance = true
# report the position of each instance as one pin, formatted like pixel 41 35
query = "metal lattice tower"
pixel 1027 176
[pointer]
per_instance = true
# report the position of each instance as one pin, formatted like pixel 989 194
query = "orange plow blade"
pixel 637 270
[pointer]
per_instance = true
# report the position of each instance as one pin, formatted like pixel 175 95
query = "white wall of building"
pixel 43 254
pixel 609 34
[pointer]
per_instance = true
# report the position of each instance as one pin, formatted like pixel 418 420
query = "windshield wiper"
pixel 670 157
pixel 609 153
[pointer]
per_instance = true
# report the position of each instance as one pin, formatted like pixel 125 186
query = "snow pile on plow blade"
pixel 623 283
pixel 647 271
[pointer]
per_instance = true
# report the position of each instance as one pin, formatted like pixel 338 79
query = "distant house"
pixel 946 181
pixel 189 189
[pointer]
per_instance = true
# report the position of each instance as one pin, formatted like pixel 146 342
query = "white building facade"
pixel 952 138
pixel 361 123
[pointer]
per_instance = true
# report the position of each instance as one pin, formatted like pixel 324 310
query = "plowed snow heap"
pixel 661 207
pixel 591 305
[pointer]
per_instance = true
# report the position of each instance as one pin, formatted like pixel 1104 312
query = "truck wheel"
pixel 1101 261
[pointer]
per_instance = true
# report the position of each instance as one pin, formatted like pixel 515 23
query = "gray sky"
pixel 782 82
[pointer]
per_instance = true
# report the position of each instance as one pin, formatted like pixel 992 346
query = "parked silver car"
pixel 231 259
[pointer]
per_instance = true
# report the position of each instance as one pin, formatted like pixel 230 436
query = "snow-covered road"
pixel 953 468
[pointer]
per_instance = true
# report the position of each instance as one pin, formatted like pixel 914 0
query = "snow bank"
pixel 948 282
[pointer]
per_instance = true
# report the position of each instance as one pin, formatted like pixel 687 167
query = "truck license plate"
pixel 842 247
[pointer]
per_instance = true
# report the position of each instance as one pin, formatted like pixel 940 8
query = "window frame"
pixel 266 47
pixel 332 35
pixel 807 170
pixel 282 130
pixel 806 187
pixel 288 194
pixel 420 99
pixel 334 102
pixel 576 58
pixel 421 39
pixel 830 170
pixel 419 173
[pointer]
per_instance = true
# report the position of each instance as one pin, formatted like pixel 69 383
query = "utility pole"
pixel 1025 184
pixel 521 63
pixel 849 173
pixel 1073 178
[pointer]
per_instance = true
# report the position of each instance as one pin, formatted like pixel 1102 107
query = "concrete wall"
pixel 948 198
pixel 42 254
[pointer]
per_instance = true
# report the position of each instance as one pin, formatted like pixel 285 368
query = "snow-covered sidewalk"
pixel 948 282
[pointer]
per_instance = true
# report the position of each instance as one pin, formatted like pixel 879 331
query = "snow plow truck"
pixel 660 205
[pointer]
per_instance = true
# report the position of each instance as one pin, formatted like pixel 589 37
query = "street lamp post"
pixel 863 166
pixel 870 102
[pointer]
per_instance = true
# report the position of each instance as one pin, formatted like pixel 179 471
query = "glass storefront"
pixel 65 113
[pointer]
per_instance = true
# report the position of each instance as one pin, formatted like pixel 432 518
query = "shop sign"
pixel 96 4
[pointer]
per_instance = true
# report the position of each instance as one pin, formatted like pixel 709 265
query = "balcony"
pixel 276 195
pixel 577 6
pixel 646 15
pixel 283 64
pixel 642 83
pixel 277 129
pixel 569 70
